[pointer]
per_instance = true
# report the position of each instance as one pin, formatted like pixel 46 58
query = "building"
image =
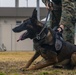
pixel 9 18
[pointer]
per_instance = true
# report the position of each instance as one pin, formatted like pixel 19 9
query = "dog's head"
pixel 31 25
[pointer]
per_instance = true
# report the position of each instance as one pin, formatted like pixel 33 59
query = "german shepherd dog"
pixel 45 46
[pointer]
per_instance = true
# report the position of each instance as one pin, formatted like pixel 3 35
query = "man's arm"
pixel 57 2
pixel 46 2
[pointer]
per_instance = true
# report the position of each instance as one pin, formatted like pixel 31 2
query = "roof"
pixel 19 11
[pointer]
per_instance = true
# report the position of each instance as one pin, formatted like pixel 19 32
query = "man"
pixel 68 13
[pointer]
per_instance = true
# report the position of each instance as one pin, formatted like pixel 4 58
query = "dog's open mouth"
pixel 23 36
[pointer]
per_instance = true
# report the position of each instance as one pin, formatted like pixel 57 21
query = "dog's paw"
pixel 23 69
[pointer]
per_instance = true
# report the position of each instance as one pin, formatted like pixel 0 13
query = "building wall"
pixel 8 18
pixel 9 39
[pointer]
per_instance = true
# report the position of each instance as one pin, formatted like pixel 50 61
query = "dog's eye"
pixel 24 20
pixel 29 26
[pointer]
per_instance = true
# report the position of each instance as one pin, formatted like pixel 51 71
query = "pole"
pixel 38 10
pixel 26 3
pixel 16 3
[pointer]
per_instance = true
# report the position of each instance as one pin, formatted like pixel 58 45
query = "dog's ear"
pixel 34 15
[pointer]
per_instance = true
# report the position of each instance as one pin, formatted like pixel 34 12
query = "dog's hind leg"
pixel 72 62
pixel 73 59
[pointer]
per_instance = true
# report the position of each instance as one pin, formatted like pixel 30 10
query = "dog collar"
pixel 42 35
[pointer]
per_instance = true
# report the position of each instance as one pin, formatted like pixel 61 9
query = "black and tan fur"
pixel 44 46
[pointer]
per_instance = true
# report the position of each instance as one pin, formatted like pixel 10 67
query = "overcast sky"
pixel 22 3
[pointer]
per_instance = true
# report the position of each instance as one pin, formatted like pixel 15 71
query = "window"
pixel 7 3
pixel 18 22
pixel 23 3
pixel 30 3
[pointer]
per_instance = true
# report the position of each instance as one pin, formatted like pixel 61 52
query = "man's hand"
pixel 61 28
pixel 49 6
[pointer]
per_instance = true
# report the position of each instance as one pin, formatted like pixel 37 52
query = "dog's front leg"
pixel 36 55
pixel 30 61
pixel 41 64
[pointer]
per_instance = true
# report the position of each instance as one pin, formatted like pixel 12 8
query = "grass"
pixel 2 73
pixel 11 62
pixel 15 56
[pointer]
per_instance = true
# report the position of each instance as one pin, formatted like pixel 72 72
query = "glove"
pixel 59 33
pixel 60 29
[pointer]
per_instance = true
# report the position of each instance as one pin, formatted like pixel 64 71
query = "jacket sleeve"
pixel 57 1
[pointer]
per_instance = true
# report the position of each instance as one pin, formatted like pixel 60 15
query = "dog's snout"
pixel 13 30
pixel 16 30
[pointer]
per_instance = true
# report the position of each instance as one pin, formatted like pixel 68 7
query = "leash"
pixel 45 25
